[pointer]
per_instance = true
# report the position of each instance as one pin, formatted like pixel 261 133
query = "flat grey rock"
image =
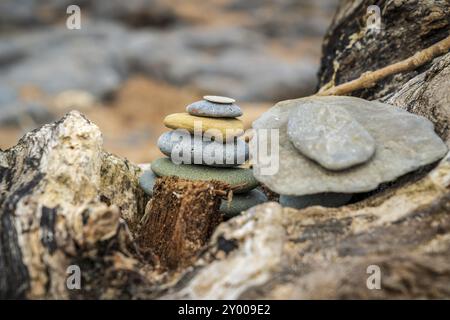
pixel 147 181
pixel 404 143
pixel 242 202
pixel 329 135
pixel 183 148
pixel 329 200
pixel 205 108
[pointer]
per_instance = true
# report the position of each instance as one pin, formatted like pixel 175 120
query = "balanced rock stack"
pixel 206 145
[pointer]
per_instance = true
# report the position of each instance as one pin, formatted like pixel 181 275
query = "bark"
pixel 180 219
pixel 350 49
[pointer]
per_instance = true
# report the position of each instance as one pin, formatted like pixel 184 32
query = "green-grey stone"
pixel 147 181
pixel 242 202
pixel 239 178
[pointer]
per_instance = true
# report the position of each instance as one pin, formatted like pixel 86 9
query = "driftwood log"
pixel 64 202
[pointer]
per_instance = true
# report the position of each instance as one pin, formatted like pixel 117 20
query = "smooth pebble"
pixel 240 179
pixel 224 128
pixel 183 148
pixel 219 99
pixel 204 108
pixel 330 136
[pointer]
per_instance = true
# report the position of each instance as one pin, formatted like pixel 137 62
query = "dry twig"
pixel 370 78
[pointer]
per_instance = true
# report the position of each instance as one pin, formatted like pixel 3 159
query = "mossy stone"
pixel 242 202
pixel 239 178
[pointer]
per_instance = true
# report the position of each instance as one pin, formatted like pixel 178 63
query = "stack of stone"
pixel 206 145
pixel 332 148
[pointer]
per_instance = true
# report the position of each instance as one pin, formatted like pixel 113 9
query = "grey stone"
pixel 319 199
pixel 231 61
pixel 242 202
pixel 147 181
pixel 209 153
pixel 57 60
pixel 205 108
pixel 155 13
pixel 8 96
pixel 31 13
pixel 22 112
pixel 330 136
pixel 404 143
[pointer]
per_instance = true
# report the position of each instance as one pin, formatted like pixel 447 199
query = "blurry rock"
pixel 74 99
pixel 10 52
pixel 256 76
pixel 26 115
pixel 135 12
pixel 56 60
pixel 29 13
pixel 289 18
pixel 7 96
pixel 222 60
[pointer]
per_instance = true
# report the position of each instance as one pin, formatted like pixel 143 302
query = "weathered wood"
pixel 180 219
pixel 371 78
pixel 53 189
pixel 350 49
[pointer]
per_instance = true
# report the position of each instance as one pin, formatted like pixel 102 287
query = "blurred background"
pixel 135 61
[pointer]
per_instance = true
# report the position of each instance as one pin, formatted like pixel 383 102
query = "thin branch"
pixel 370 78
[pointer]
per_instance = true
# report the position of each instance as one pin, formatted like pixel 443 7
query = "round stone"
pixel 242 202
pixel 329 135
pixel 224 127
pixel 219 99
pixel 147 181
pixel 320 199
pixel 240 179
pixel 205 108
pixel 185 148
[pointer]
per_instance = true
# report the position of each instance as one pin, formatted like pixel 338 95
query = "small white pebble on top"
pixel 219 99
